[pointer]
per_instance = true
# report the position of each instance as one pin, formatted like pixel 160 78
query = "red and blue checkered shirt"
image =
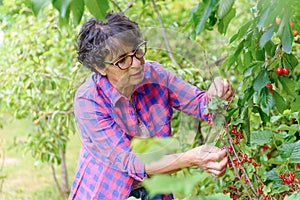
pixel 108 121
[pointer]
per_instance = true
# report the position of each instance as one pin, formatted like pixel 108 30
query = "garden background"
pixel 254 44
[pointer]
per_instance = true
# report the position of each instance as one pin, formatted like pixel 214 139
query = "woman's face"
pixel 127 69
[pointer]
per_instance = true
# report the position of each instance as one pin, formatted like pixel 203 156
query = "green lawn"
pixel 26 178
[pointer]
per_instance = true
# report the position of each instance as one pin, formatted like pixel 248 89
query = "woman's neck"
pixel 126 91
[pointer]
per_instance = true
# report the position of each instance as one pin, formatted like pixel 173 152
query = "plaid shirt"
pixel 108 121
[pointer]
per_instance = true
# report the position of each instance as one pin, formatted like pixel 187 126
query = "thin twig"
pixel 217 62
pixel 165 34
pixel 129 5
pixel 116 4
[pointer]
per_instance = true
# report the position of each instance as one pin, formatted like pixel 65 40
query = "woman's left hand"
pixel 221 88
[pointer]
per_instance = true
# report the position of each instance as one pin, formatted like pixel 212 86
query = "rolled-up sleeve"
pixel 104 139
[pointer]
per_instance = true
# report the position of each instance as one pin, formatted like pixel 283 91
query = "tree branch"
pixel 165 35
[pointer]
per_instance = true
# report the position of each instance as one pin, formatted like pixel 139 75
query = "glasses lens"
pixel 140 52
pixel 125 62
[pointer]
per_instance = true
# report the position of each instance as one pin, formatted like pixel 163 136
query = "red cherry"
pixel 270 87
pixel 295 33
pixel 285 70
pixel 292 24
pixel 279 71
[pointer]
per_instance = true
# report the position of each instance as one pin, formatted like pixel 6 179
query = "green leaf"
pixel 98 8
pixel 62 6
pixel 261 137
pixel 246 122
pixel 224 22
pixel 289 61
pixel 266 100
pixel 152 149
pixel 173 184
pixel 294 196
pixel 265 118
pixel 205 13
pixel 279 102
pixel 217 196
pixel 224 7
pixel 242 32
pixel 291 151
pixel 37 5
pixel 245 96
pixel 288 85
pixel 275 118
pixel 287 39
pixel 260 81
pixel 292 129
pixel 266 37
pixel 1 2
pixel 272 175
pixel 77 8
pixel 295 106
pixel 270 48
pixel 262 18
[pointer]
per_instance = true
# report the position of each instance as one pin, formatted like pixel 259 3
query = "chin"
pixel 139 79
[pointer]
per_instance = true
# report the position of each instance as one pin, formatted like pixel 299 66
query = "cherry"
pixel 278 20
pixel 292 24
pixel 279 71
pixel 270 86
pixel 295 33
pixel 285 70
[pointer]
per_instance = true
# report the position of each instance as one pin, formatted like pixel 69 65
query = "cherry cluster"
pixel 280 71
pixel 287 178
pixel 244 159
pixel 238 134
pixel 234 192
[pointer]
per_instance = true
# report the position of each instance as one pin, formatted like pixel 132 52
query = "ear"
pixel 102 71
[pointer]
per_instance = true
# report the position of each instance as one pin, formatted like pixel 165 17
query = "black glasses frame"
pixel 130 54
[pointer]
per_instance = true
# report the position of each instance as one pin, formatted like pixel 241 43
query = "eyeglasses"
pixel 126 60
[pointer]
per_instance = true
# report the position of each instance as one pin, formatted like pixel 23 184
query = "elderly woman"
pixel 129 97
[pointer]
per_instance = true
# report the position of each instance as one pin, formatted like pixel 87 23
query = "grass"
pixel 26 178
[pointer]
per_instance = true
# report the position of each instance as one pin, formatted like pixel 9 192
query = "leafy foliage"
pixel 262 122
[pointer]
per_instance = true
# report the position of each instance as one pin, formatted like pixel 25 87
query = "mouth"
pixel 137 73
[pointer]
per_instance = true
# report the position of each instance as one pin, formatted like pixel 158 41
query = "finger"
pixel 229 94
pixel 214 156
pixel 219 88
pixel 220 166
pixel 226 85
pixel 216 173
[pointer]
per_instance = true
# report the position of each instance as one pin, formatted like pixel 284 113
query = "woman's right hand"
pixel 212 159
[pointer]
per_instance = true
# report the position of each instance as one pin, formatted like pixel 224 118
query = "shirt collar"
pixel 113 94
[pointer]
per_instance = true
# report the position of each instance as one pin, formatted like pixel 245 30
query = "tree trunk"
pixel 64 173
pixel 55 180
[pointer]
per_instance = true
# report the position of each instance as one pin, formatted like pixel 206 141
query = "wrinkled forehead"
pixel 121 44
